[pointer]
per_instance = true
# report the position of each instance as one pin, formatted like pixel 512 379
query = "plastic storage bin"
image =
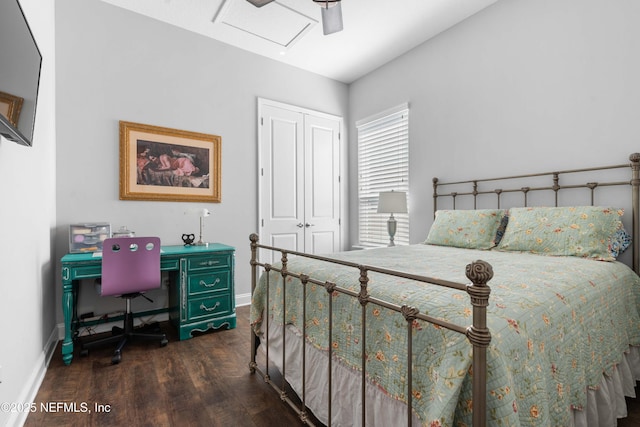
pixel 88 237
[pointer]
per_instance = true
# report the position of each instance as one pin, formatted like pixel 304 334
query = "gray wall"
pixel 523 86
pixel 116 65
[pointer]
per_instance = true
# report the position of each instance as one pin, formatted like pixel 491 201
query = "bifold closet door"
pixel 299 180
pixel 321 185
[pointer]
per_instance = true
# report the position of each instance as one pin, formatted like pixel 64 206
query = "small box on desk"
pixel 88 237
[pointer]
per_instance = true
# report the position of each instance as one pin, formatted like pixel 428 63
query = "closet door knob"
pixel 300 225
pixel 309 225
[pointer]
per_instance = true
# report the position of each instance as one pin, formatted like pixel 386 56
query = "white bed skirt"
pixel 346 410
pixel 605 403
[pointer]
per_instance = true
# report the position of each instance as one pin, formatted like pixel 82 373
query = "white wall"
pixel 27 221
pixel 117 65
pixel 523 86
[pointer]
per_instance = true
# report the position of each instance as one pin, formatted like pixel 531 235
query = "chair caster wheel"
pixel 116 358
pixel 84 352
pixel 164 342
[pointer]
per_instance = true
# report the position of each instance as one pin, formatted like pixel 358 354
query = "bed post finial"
pixel 254 249
pixel 479 272
pixel 635 200
pixel 254 241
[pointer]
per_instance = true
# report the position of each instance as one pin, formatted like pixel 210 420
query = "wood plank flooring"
pixel 198 382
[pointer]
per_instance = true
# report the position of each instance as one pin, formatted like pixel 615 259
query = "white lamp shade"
pixel 392 202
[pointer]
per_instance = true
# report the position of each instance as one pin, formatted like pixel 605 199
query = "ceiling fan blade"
pixel 259 3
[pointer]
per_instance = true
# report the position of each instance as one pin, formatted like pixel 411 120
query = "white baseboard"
pixel 32 385
pixel 243 299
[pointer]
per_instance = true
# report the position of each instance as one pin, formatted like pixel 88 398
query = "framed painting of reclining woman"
pixel 164 164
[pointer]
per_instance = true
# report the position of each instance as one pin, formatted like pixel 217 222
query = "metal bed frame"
pixel 556 187
pixel 478 272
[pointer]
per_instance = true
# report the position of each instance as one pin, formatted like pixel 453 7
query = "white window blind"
pixel 383 165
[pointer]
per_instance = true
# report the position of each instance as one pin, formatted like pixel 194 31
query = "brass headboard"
pixel 478 187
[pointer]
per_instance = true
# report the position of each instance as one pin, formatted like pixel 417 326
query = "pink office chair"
pixel 130 266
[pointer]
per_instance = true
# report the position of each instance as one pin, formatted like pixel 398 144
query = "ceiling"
pixel 290 31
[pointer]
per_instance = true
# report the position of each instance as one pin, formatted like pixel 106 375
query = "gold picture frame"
pixel 10 106
pixel 163 164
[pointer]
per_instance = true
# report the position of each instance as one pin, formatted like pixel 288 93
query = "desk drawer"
pixel 171 264
pixel 215 261
pixel 88 271
pixel 214 280
pixel 209 307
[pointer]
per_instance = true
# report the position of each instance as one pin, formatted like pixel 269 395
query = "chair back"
pixel 130 264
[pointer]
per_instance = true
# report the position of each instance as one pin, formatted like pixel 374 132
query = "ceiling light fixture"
pixel 331 14
pixel 259 3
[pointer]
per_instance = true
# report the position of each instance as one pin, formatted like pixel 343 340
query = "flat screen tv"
pixel 20 63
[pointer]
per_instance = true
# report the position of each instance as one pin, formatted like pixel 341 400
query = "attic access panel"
pixel 275 23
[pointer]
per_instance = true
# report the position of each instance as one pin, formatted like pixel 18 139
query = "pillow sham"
pixel 471 229
pixel 584 231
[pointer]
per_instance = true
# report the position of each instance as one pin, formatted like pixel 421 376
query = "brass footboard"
pixel 478 272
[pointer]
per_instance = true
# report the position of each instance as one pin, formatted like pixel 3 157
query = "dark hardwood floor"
pixel 198 382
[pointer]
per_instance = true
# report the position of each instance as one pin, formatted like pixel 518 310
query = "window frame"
pixel 383 140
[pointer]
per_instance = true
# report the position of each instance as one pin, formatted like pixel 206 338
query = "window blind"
pixel 383 165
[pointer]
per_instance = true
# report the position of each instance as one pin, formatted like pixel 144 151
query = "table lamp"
pixel 203 213
pixel 392 202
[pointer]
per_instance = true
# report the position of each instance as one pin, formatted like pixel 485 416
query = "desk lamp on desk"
pixel 188 238
pixel 203 214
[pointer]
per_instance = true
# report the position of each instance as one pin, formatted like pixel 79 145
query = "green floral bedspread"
pixel 557 324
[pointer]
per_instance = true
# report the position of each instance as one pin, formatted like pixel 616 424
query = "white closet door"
pixel 322 186
pixel 299 179
pixel 282 178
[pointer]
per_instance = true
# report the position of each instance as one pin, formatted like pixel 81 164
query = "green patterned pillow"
pixel 471 229
pixel 582 231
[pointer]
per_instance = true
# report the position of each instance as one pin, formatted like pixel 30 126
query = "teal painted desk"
pixel 201 289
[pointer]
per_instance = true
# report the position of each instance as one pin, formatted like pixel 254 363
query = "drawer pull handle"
pixel 209 285
pixel 210 262
pixel 205 308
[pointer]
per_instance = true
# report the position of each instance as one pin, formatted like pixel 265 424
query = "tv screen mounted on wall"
pixel 20 63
